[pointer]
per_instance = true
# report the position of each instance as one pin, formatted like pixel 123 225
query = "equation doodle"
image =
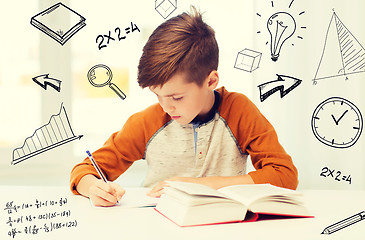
pixel 326 172
pixel 38 216
pixel 103 40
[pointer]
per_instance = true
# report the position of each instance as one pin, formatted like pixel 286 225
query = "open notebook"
pixel 134 198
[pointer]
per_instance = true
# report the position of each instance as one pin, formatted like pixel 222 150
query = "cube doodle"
pixel 165 7
pixel 248 60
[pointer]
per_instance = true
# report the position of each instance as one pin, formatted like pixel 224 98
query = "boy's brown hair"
pixel 184 43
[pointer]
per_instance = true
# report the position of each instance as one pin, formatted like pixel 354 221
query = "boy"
pixel 195 133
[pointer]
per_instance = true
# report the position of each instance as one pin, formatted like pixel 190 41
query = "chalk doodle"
pixel 342 53
pixel 281 26
pixel 101 75
pixel 38 216
pixel 326 172
pixel 119 35
pixel 44 80
pixel 344 223
pixel 248 60
pixel 165 7
pixel 59 22
pixel 278 85
pixel 56 132
pixel 337 122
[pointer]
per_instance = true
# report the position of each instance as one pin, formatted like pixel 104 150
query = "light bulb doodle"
pixel 281 26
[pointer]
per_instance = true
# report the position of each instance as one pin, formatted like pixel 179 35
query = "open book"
pixel 189 204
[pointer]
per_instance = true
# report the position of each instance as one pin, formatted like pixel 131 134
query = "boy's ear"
pixel 213 80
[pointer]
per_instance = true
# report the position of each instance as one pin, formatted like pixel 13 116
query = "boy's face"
pixel 184 100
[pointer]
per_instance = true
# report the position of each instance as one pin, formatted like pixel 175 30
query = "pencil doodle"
pixel 344 223
pixel 55 133
pixel 326 172
pixel 44 81
pixel 279 85
pixel 103 73
pixel 120 36
pixel 281 26
pixel 337 122
pixel 248 60
pixel 342 53
pixel 52 22
pixel 165 7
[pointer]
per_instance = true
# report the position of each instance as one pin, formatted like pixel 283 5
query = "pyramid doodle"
pixel 342 53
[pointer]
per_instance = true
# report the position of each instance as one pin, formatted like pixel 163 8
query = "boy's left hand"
pixel 211 181
pixel 157 190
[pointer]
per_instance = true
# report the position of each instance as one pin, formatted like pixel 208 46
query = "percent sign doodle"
pixel 92 77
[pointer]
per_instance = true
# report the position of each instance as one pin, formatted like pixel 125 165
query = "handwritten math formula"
pixel 336 175
pixel 103 40
pixel 38 216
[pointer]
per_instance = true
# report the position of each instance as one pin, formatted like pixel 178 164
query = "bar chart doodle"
pixel 59 22
pixel 55 133
pixel 342 53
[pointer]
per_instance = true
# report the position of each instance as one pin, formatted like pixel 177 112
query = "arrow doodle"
pixel 278 85
pixel 44 81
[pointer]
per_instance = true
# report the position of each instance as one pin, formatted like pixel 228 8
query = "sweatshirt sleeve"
pixel 257 137
pixel 122 148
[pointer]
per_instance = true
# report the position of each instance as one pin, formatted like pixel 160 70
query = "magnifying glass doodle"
pixel 100 75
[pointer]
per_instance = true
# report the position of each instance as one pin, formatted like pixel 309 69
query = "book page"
pixel 196 189
pixel 134 198
pixel 247 194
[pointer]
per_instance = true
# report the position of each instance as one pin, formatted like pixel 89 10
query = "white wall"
pixel 26 52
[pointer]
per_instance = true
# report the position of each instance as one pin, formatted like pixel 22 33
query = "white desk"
pixel 145 223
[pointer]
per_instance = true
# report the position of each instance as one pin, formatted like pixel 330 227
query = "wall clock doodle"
pixel 337 122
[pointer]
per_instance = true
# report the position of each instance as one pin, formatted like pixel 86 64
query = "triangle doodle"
pixel 342 53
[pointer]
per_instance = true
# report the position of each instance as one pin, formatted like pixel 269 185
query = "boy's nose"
pixel 167 106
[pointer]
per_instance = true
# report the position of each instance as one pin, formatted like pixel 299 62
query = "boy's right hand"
pixel 100 193
pixel 105 194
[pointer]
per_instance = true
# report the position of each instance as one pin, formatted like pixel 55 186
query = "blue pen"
pixel 97 167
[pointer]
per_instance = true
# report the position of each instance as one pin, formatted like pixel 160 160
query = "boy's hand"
pixel 211 181
pixel 105 194
pixel 157 190
pixel 100 193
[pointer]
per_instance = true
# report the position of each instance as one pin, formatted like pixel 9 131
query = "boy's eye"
pixel 177 98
